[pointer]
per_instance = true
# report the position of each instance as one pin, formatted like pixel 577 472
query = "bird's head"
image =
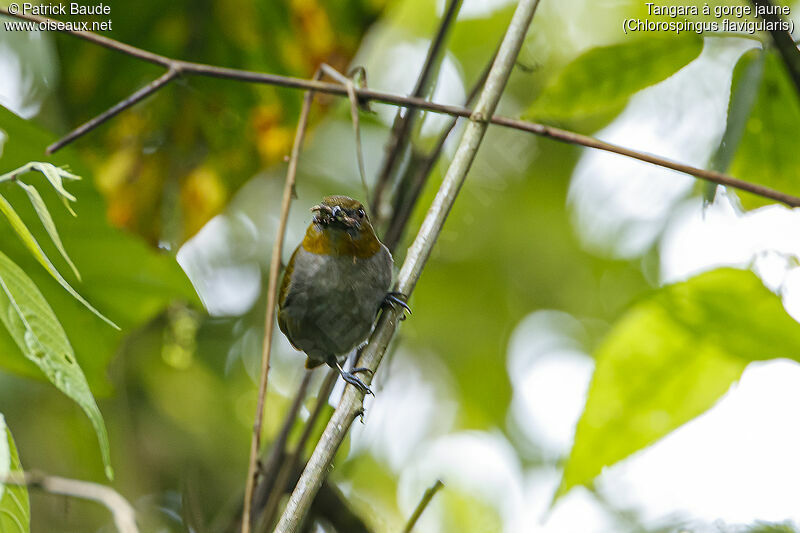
pixel 341 213
pixel 341 227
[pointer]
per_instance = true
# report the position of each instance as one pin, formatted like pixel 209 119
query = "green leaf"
pixel 54 176
pixel 47 222
pixel 605 77
pixel 38 333
pixel 15 512
pixel 33 246
pixel 767 152
pixel 744 88
pixel 125 277
pixel 670 358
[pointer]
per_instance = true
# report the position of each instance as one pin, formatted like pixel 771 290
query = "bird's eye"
pixel 361 213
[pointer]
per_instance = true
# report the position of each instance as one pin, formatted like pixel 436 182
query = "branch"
pixel 199 69
pixel 290 463
pixel 352 400
pixel 399 138
pixel 269 469
pixel 354 106
pixel 783 42
pixel 413 181
pixel 422 505
pixel 139 95
pixel 269 324
pixel 121 509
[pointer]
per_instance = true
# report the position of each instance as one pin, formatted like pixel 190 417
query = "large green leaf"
pixel 767 152
pixel 670 358
pixel 605 77
pixel 15 512
pixel 37 332
pixel 121 274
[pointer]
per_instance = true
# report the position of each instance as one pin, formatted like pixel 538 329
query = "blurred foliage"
pixel 584 87
pixel 669 358
pixel 15 512
pixel 120 275
pixel 766 153
pixel 169 165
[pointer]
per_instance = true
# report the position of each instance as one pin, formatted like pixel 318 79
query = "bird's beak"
pixel 321 208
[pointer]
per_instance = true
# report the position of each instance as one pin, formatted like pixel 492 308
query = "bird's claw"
pixel 363 369
pixel 350 378
pixel 393 299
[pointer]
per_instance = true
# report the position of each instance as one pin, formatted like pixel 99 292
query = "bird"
pixel 335 283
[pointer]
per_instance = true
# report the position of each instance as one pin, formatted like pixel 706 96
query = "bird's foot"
pixel 393 299
pixel 350 377
pixel 363 369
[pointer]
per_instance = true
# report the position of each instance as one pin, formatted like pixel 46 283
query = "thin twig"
pixel 351 403
pixel 121 510
pixel 783 42
pixel 423 504
pixel 403 122
pixel 270 467
pixel 199 69
pixel 269 324
pixel 290 464
pixel 417 175
pixel 139 95
pixel 351 94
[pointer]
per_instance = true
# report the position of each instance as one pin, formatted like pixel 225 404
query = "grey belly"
pixel 332 303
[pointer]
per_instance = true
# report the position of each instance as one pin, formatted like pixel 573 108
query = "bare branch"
pixel 352 400
pixel 121 510
pixel 364 94
pixel 139 95
pixel 403 122
pixel 413 181
pixel 290 463
pixel 351 94
pixel 422 505
pixel 272 290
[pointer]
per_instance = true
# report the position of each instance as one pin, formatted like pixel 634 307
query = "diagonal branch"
pixel 290 462
pixel 199 69
pixel 121 510
pixel 272 290
pixel 417 173
pixel 117 108
pixel 352 401
pixel 403 123
pixel 423 504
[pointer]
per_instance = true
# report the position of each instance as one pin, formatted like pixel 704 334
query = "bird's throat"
pixel 333 241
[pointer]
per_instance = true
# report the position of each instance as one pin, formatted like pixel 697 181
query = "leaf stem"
pixel 422 505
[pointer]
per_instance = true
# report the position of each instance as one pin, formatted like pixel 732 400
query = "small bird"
pixel 334 285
